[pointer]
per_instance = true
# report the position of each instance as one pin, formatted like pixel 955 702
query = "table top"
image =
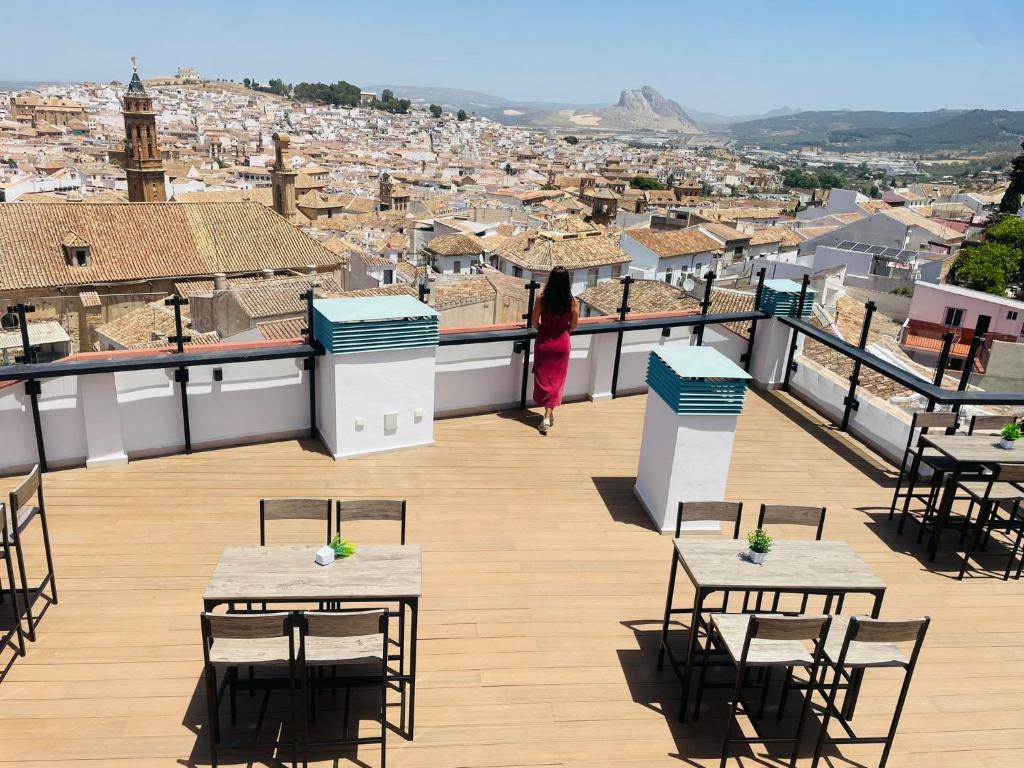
pixel 974 449
pixel 722 564
pixel 289 573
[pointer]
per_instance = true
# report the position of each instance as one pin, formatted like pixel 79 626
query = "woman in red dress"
pixel 554 316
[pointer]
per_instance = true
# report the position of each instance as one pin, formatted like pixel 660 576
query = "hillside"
pixel 642 109
pixel 972 130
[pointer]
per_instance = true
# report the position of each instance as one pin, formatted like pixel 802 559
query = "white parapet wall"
pixel 876 422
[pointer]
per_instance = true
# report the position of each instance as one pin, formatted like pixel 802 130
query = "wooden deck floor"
pixel 543 591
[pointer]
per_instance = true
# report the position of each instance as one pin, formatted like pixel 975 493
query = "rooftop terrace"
pixel 544 587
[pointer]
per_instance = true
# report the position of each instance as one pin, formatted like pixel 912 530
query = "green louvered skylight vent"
pixel 373 322
pixel 697 380
pixel 782 297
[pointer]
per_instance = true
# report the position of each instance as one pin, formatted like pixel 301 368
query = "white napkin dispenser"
pixel 324 555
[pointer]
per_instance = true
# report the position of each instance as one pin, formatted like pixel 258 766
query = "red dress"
pixel 551 361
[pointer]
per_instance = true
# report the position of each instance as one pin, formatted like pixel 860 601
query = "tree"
pixel 990 267
pixel 461 116
pixel 706 189
pixel 387 95
pixel 1012 199
pixel 435 110
pixel 247 82
pixel 508 167
pixel 1009 230
pixel 670 181
pixel 571 140
pixel 645 182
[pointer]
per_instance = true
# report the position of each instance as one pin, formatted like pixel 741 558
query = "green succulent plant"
pixel 759 541
pixel 1010 431
pixel 342 547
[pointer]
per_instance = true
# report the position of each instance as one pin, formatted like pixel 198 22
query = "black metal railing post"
pixel 181 374
pixel 794 336
pixel 705 305
pixel 33 387
pixel 746 357
pixel 941 365
pixel 850 403
pixel 623 311
pixel 532 287
pixel 972 354
pixel 309 363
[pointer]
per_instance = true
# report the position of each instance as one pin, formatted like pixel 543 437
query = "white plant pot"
pixel 757 557
pixel 1007 444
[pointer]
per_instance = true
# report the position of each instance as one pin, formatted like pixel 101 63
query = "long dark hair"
pixel 557 296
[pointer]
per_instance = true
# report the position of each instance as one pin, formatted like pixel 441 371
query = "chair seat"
pixel 363 649
pixel 732 628
pixel 1000 491
pixel 860 654
pixel 261 651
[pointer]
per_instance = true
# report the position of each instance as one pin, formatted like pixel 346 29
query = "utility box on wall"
pixel 375 384
pixel 694 397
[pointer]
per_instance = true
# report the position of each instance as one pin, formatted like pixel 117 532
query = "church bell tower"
pixel 143 165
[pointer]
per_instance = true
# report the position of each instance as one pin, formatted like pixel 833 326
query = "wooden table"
pixel 288 574
pixel 828 568
pixel 966 451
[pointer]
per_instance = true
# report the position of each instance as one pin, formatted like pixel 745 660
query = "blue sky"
pixel 740 56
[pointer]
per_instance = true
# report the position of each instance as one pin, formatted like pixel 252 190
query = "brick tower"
pixel 143 165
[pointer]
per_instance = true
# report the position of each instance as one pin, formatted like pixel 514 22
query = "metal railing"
pixel 182 359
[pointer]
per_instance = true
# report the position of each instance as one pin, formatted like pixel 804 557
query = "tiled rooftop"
pixel 543 592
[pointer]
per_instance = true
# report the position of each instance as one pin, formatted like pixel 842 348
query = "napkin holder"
pixel 325 555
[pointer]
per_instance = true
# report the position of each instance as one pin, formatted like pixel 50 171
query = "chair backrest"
pixel 372 509
pixel 864 630
pixel 701 517
pixel 345 623
pixel 246 626
pixel 994 423
pixel 925 420
pixel 776 627
pixel 1008 473
pixel 293 509
pixel 782 514
pixel 26 489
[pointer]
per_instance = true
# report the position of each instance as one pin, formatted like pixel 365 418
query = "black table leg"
pixel 943 512
pixel 691 650
pixel 414 610
pixel 668 608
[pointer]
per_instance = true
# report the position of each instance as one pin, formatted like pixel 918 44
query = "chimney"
pixel 220 281
pixel 310 269
pixel 268 274
pixel 530 241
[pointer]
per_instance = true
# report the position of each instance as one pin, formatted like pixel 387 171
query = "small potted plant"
pixel 760 544
pixel 1010 434
pixel 342 547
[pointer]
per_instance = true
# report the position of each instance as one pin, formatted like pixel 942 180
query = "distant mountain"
pixel 974 129
pixel 715 119
pixel 642 109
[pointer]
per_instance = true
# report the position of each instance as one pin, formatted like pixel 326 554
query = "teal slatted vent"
pixel 782 297
pixel 366 323
pixel 697 380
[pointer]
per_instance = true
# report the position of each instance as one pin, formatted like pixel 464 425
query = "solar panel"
pixel 861 248
pixel 847 244
pixel 876 250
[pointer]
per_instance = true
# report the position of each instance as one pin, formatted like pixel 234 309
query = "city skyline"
pixel 904 57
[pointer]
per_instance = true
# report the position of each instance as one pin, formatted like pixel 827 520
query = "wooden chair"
pixel 1004 487
pixel 354 645
pixel 783 514
pixel 692 518
pixel 916 454
pixel 752 641
pixel 372 509
pixel 263 640
pixel 855 644
pixel 21 514
pixel 294 509
pixel 10 592
pixel 988 423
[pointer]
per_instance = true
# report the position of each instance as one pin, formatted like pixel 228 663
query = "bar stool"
pixel 916 454
pixel 769 642
pixel 1002 487
pixel 855 644
pixel 20 516
pixel 10 592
